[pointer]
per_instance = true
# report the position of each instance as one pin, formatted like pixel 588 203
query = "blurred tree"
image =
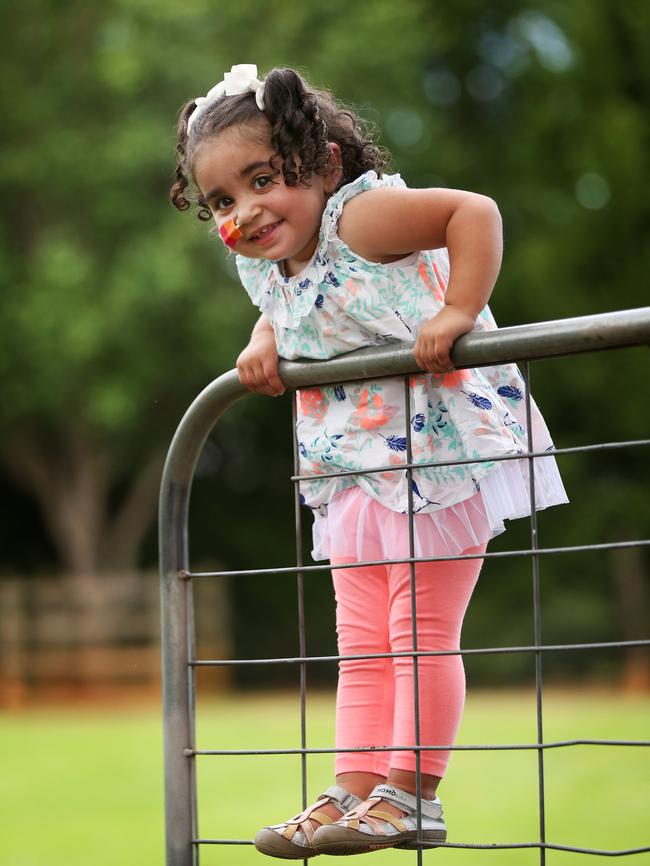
pixel 107 333
pixel 115 310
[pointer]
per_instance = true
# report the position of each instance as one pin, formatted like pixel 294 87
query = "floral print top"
pixel 341 302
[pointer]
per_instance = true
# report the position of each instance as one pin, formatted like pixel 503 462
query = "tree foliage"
pixel 115 310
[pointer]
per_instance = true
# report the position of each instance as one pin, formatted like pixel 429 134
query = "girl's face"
pixel 237 180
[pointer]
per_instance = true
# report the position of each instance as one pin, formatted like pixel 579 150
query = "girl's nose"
pixel 247 214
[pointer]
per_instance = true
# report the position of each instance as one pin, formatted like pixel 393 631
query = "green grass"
pixel 85 786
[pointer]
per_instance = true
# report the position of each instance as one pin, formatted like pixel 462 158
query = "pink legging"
pixel 374 705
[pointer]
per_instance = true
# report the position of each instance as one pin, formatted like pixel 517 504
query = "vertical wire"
pixel 191 655
pixel 414 632
pixel 537 619
pixel 301 610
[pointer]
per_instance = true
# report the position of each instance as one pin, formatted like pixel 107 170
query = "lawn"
pixel 84 786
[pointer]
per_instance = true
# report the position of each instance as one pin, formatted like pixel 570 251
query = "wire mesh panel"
pixel 180 664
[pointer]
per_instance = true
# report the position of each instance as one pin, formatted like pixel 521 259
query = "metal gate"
pixel 179 662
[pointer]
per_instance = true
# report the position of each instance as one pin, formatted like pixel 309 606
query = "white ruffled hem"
pixel 355 527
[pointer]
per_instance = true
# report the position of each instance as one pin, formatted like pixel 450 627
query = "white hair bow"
pixel 241 78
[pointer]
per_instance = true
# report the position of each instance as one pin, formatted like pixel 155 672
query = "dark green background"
pixel 116 310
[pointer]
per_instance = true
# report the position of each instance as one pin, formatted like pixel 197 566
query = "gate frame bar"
pixel 504 345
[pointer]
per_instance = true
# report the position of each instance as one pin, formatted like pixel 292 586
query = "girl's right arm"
pixel 257 365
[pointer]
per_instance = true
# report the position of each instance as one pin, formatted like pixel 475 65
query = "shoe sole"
pixel 341 841
pixel 274 845
pixel 433 840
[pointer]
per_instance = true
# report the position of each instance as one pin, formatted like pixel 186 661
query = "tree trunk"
pixel 125 530
pixel 631 584
pixel 71 481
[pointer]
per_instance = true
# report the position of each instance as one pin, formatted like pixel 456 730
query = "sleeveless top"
pixel 340 302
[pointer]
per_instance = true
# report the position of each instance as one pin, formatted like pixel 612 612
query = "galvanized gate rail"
pixel 179 664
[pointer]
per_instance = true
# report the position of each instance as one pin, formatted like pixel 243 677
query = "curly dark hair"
pixel 303 121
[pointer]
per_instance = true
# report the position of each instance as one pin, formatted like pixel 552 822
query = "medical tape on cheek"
pixel 230 233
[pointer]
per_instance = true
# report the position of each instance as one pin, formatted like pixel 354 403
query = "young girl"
pixel 337 255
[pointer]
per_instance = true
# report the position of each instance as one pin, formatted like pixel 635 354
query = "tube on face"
pixel 230 233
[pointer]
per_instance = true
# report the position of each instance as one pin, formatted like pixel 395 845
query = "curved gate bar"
pixel 176 601
pixel 541 340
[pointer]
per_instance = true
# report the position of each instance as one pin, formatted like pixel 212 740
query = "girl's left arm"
pixel 386 224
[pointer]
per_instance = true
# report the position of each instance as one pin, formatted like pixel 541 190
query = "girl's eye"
pixel 223 203
pixel 262 181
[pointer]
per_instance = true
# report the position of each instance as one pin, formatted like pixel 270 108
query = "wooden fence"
pixel 95 637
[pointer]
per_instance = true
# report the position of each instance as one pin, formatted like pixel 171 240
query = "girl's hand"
pixel 257 365
pixel 438 335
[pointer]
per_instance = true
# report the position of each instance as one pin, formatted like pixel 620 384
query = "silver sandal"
pixel 367 828
pixel 293 839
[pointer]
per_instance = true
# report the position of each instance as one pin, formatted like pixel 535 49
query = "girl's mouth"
pixel 266 234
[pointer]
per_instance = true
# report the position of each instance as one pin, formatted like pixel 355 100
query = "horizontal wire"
pixel 482 845
pixel 292 569
pixel 550 846
pixel 421 653
pixel 480 747
pixel 496 458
